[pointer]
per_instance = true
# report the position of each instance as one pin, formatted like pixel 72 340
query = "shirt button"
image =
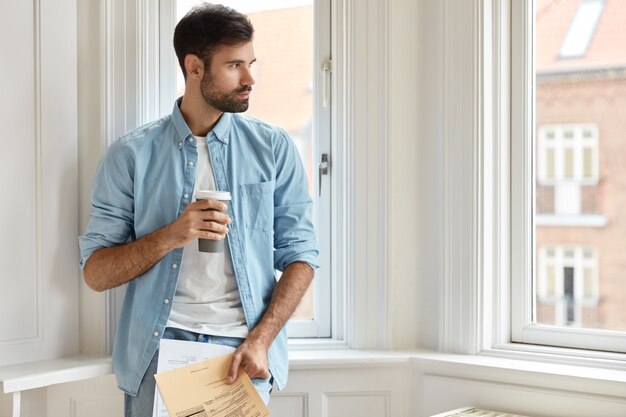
pixel 156 334
pixel 190 140
pixel 174 266
pixel 185 196
pixel 166 301
pixel 180 145
pixel 190 163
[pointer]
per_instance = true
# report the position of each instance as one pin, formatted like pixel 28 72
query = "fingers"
pixel 255 370
pixel 234 368
pixel 261 373
pixel 253 363
pixel 210 205
pixel 203 234
pixel 214 217
pixel 209 210
pixel 211 226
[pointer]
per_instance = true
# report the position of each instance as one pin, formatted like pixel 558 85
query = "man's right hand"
pixel 201 219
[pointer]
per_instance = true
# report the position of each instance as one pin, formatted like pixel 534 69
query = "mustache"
pixel 243 89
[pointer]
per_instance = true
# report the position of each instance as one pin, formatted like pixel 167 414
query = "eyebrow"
pixel 240 61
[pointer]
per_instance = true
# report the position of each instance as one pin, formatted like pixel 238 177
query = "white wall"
pixel 38 179
pixel 415 181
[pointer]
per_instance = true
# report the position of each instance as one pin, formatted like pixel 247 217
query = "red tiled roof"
pixel 607 47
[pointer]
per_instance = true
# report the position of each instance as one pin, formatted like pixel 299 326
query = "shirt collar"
pixel 221 129
pixel 182 130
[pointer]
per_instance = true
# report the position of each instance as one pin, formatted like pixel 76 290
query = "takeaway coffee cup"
pixel 208 245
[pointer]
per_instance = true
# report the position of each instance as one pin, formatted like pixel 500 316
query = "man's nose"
pixel 247 78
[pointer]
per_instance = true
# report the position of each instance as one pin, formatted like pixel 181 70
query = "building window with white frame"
pixel 567 286
pixel 568 174
pixel 567 170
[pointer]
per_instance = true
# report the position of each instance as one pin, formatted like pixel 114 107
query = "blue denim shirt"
pixel 144 182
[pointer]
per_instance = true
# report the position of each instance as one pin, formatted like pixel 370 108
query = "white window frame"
pixel 131 90
pixel 523 329
pixel 320 326
pixel 487 190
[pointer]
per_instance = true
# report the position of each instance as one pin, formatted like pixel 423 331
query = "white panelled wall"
pixel 38 179
pixel 39 176
pixel 401 135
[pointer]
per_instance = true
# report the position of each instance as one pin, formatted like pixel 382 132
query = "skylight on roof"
pixel 581 29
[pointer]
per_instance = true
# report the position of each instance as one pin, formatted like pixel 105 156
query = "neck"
pixel 200 117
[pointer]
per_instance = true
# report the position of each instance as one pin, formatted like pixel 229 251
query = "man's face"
pixel 226 85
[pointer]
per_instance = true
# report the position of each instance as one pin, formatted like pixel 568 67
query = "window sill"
pixel 496 365
pixel 578 220
pixel 488 367
pixel 523 369
pixel 26 376
pixel 346 358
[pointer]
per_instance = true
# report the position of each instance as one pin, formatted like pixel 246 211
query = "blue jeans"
pixel 142 404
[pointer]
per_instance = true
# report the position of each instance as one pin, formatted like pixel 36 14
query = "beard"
pixel 223 101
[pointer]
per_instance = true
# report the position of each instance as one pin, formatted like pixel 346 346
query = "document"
pixel 200 389
pixel 176 353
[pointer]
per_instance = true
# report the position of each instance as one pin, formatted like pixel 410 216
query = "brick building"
pixel 580 163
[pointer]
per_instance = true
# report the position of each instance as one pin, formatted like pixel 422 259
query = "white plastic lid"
pixel 213 195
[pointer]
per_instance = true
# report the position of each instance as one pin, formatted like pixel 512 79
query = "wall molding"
pixel 384 395
pixel 304 396
pixel 463 146
pixel 38 175
pixel 37 296
pixel 360 80
pixel 475 298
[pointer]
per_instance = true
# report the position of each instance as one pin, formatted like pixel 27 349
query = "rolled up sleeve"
pixel 112 216
pixel 294 234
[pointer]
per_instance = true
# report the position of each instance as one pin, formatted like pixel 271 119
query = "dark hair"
pixel 205 28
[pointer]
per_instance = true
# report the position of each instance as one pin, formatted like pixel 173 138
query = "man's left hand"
pixel 251 356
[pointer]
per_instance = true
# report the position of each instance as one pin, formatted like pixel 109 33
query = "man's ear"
pixel 194 66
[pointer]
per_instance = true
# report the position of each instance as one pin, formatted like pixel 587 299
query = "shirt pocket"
pixel 258 205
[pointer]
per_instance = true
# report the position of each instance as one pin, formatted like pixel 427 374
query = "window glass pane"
pixel 569 163
pixel 587 162
pixel 550 284
pixel 589 282
pixel 580 85
pixel 550 164
pixel 283 92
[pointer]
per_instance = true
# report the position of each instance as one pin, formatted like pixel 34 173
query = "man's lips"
pixel 244 94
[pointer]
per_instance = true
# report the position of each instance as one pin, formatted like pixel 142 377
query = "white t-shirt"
pixel 207 298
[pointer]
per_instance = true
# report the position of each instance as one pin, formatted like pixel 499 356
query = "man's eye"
pixel 234 66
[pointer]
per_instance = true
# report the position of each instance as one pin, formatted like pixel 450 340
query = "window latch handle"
pixel 326 71
pixel 323 170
